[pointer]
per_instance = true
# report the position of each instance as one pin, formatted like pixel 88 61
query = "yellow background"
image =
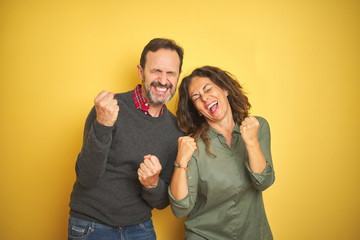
pixel 298 61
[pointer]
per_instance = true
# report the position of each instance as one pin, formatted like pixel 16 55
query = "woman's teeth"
pixel 210 107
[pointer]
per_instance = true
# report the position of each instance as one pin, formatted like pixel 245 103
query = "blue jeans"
pixel 79 229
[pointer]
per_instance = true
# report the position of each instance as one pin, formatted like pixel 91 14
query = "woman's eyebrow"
pixel 205 86
pixel 195 94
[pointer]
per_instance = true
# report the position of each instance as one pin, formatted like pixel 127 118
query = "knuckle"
pixel 97 101
pixel 107 107
pixel 101 104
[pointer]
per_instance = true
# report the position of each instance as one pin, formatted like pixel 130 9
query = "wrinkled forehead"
pixel 199 83
pixel 163 59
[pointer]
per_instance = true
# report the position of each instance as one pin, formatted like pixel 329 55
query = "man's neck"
pixel 154 109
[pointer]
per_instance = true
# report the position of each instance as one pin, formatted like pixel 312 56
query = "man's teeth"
pixel 211 105
pixel 160 89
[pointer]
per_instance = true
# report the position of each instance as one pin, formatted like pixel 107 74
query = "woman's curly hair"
pixel 195 125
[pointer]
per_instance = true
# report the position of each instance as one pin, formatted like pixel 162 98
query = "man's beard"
pixel 151 96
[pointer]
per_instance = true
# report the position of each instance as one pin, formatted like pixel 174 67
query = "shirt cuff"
pixel 260 178
pixel 181 203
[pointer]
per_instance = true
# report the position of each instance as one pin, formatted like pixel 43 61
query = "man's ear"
pixel 140 72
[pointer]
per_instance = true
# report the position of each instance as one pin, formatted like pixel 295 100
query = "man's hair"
pixel 194 124
pixel 161 43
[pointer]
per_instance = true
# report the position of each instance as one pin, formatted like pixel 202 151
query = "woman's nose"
pixel 204 97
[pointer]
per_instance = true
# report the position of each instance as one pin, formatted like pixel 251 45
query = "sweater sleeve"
pixel 183 207
pixel 91 161
pixel 157 197
pixel 262 181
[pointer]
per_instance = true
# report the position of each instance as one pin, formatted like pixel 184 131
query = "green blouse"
pixel 225 198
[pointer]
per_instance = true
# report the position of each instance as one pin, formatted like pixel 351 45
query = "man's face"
pixel 160 76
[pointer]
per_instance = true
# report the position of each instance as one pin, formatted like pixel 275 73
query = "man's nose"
pixel 163 78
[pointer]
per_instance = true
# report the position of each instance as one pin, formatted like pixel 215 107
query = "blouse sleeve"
pixel 183 207
pixel 262 181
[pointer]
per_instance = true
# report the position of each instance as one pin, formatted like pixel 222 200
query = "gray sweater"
pixel 107 189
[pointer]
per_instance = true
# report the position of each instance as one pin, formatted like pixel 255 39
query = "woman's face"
pixel 209 99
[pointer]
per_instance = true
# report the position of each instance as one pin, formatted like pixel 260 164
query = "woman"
pixel 219 186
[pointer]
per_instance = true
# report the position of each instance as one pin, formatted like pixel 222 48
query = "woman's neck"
pixel 225 127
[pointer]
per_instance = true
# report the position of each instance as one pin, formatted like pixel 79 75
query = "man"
pixel 129 148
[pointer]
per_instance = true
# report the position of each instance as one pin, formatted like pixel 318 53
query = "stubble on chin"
pixel 152 97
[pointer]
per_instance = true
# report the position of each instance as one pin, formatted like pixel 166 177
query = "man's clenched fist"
pixel 149 170
pixel 107 108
